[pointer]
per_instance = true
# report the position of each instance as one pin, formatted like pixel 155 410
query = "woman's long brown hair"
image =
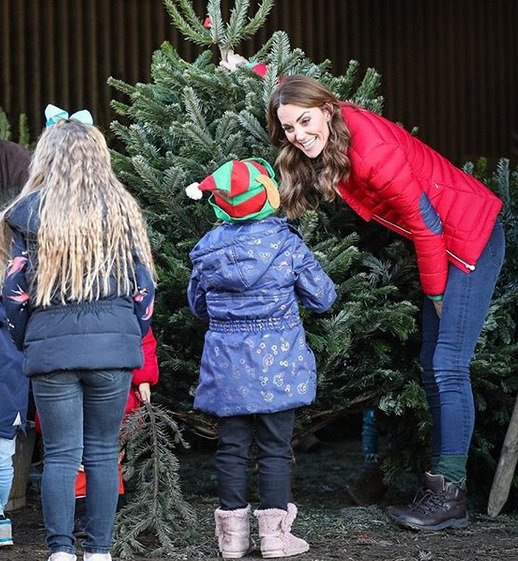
pixel 304 181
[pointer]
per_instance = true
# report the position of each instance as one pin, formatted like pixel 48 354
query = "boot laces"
pixel 427 501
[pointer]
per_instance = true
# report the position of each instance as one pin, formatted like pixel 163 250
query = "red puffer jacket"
pixel 405 185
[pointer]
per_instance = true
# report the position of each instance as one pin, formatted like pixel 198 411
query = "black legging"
pixel 273 433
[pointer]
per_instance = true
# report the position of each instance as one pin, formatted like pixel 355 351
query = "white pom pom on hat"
pixel 193 191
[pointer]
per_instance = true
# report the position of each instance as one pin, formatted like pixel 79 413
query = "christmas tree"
pixel 194 116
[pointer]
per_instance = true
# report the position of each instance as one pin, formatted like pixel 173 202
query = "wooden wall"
pixel 448 66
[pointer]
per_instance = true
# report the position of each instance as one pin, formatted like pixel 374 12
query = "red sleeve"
pixel 149 371
pixel 392 179
pixel 37 423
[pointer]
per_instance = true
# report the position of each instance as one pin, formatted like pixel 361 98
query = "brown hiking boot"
pixel 437 506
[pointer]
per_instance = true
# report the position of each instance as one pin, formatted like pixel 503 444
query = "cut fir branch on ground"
pixel 157 520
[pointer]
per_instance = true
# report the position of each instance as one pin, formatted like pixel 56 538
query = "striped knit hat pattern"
pixel 240 190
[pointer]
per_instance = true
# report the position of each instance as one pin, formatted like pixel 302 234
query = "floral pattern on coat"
pixel 247 280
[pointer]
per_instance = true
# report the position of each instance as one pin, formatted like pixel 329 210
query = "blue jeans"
pixel 449 344
pixel 80 413
pixel 7 449
pixel 273 433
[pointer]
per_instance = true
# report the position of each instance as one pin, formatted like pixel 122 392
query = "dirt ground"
pixel 335 529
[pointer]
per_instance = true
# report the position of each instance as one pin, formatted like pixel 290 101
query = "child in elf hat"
pixel 256 368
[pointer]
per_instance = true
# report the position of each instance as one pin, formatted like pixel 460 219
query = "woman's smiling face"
pixel 307 128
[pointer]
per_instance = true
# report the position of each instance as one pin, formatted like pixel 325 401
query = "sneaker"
pixel 6 531
pixel 437 506
pixel 62 556
pixel 97 556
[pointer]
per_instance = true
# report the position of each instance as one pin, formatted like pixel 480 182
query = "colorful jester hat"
pixel 241 190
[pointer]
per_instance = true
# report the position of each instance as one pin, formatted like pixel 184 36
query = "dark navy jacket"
pixel 247 280
pixel 14 385
pixel 90 335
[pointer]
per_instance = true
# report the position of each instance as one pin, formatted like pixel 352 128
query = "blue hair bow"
pixel 55 114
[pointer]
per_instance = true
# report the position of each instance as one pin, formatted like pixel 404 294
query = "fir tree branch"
pixel 217 29
pixel 5 126
pixel 251 124
pixel 185 6
pixel 121 86
pixel 193 107
pixel 23 131
pixel 157 508
pixel 236 23
pixel 193 31
pixel 253 26
pixel 280 49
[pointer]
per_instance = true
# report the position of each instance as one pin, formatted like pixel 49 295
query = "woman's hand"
pixel 233 61
pixel 144 391
pixel 438 307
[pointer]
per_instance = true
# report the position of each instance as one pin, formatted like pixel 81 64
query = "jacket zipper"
pixel 467 265
pixel 392 224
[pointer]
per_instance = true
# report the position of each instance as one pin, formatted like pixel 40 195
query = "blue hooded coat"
pixel 14 385
pixel 246 280
pixel 88 335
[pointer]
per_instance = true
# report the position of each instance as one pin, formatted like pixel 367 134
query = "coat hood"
pixel 225 257
pixel 24 216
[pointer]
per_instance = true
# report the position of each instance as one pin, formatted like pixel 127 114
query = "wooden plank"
pixel 506 466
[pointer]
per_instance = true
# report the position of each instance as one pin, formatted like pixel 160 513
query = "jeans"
pixel 7 448
pixel 80 413
pixel 369 438
pixel 273 434
pixel 449 344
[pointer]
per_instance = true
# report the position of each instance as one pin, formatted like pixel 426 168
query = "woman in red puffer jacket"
pixel 335 150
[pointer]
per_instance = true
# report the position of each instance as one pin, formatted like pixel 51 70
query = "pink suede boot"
pixel 233 532
pixel 275 533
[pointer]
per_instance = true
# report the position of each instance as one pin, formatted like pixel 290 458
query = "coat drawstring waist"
pixel 254 325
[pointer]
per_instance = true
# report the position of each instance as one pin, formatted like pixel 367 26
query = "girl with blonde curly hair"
pixel 78 293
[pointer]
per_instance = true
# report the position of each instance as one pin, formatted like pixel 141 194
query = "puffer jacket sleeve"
pixel 196 295
pixel 313 286
pixel 149 371
pixel 15 292
pixel 144 299
pixel 387 172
